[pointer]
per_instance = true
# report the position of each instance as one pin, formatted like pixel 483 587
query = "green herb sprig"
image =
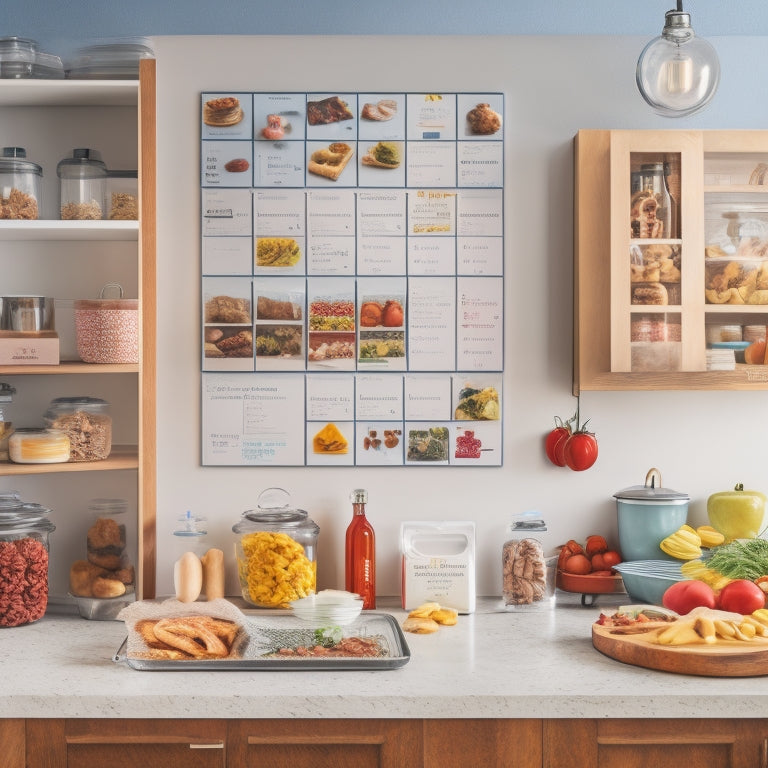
pixel 741 559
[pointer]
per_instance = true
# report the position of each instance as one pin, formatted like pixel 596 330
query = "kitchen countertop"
pixel 492 664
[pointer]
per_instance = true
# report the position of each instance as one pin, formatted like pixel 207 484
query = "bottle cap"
pixel 359 496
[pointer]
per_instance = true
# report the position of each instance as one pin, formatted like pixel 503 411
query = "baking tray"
pixel 265 633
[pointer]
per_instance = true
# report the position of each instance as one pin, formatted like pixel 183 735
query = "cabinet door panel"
pixel 487 743
pixel 141 755
pixel 12 737
pixel 664 755
pixel 337 743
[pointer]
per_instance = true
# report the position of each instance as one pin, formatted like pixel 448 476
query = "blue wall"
pixel 60 26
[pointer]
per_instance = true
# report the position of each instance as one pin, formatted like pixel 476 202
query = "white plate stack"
pixel 329 606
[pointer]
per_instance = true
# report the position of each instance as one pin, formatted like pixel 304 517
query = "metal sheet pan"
pixel 266 633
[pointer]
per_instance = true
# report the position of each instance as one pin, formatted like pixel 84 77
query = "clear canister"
pixel 123 195
pixel 82 184
pixel 88 424
pixel 24 561
pixel 528 576
pixel 31 445
pixel 276 552
pixel 20 185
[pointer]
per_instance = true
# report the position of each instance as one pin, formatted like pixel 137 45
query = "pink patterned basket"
pixel 107 330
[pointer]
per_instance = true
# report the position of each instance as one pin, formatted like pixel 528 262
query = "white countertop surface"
pixel 492 664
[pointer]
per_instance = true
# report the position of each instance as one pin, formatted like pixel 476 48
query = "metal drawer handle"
pixel 217 745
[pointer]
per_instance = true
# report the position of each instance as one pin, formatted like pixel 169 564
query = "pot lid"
pixel 651 491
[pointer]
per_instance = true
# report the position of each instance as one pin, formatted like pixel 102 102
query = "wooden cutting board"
pixel 726 658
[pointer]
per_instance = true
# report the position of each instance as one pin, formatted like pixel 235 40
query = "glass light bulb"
pixel 678 73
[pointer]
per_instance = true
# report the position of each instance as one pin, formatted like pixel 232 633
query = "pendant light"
pixel 678 73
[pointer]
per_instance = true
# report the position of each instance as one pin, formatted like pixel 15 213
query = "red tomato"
pixel 595 544
pixel 684 596
pixel 741 596
pixel 554 444
pixel 580 451
pixel 598 562
pixel 577 564
pixel 611 558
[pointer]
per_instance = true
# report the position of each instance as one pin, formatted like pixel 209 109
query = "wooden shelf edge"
pixel 121 457
pixel 75 367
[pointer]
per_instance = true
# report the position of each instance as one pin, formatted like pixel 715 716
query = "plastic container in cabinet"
pixel 88 424
pixel 82 184
pixel 20 185
pixel 17 57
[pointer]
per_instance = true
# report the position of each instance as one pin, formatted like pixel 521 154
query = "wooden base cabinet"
pixel 464 743
pixel 658 743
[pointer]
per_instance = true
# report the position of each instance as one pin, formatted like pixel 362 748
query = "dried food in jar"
pixel 23 581
pixel 524 572
pixel 123 206
pixel 83 210
pixel 87 423
pixel 18 205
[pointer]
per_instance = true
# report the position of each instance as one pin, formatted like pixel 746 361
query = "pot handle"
pixel 653 478
pixel 116 287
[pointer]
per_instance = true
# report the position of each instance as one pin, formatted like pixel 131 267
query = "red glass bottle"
pixel 360 565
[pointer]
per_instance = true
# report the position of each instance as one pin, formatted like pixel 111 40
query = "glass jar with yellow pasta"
pixel 276 552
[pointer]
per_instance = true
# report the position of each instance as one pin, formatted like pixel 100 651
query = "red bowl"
pixel 589 584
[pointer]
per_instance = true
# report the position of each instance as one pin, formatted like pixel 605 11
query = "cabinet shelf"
pixel 737 189
pixel 75 367
pixel 54 229
pixel 75 93
pixel 121 457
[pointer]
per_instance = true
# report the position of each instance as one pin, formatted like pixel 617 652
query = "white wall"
pixel 701 441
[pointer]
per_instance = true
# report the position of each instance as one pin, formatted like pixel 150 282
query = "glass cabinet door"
pixel 736 254
pixel 655 241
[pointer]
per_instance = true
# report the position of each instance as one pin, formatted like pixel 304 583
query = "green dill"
pixel 742 559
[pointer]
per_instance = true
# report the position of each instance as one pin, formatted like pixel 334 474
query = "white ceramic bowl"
pixel 329 606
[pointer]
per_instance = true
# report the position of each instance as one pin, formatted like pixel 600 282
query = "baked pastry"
pixel 385 154
pixel 650 293
pixel 223 111
pixel 242 340
pixel 106 543
pixel 330 162
pixel 420 626
pixel 227 309
pixel 483 121
pixel 187 637
pixel 325 111
pixel 381 111
pixel 330 440
pixel 272 309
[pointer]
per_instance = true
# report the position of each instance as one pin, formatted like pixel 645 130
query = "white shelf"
pixel 55 229
pixel 73 93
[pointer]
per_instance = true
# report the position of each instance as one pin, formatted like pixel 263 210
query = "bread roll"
pixel 213 574
pixel 188 577
pixel 105 587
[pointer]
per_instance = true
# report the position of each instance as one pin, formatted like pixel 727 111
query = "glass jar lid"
pixel 14 161
pixel 274 512
pixel 528 521
pixel 84 162
pixel 651 491
pixel 70 404
pixel 190 526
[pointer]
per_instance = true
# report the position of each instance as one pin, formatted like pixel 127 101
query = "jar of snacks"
pixel 24 541
pixel 83 183
pixel 87 422
pixel 123 195
pixel 276 552
pixel 20 185
pixel 528 576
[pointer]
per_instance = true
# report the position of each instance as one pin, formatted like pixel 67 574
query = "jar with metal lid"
pixel 24 561
pixel 123 195
pixel 20 185
pixel 276 551
pixel 528 576
pixel 83 185
pixel 88 424
pixel 17 57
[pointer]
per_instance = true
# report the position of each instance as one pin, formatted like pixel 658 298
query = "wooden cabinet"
pixel 74 259
pixel 660 743
pixel 298 743
pixel 309 743
pixel 669 288
pixel 126 743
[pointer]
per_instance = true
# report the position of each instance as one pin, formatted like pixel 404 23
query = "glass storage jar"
pixel 24 559
pixel 276 552
pixel 20 185
pixel 88 424
pixel 17 57
pixel 38 446
pixel 123 195
pixel 528 577
pixel 82 184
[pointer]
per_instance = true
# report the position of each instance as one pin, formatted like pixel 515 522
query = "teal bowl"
pixel 646 581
